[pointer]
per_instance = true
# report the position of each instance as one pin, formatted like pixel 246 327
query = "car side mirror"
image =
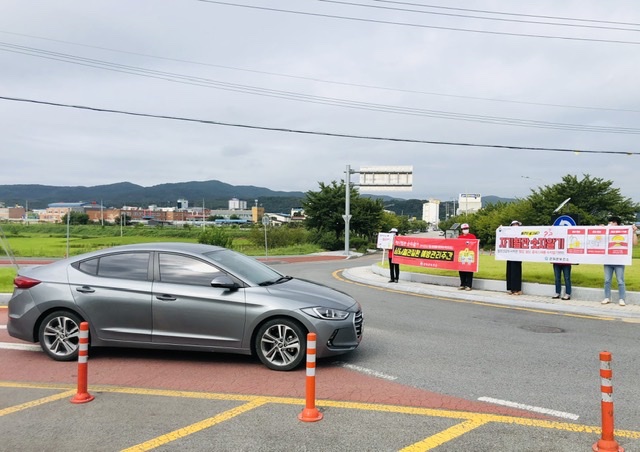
pixel 224 282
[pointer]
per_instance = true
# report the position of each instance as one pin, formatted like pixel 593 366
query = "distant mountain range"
pixel 214 194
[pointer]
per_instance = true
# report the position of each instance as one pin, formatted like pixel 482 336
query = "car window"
pixel 178 269
pixel 124 266
pixel 244 267
pixel 89 266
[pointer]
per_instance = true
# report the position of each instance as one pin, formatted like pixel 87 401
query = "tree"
pixel 593 199
pixel 123 219
pixel 366 217
pixel 215 236
pixel 76 218
pixel 325 209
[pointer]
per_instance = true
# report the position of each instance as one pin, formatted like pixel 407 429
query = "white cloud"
pixel 199 43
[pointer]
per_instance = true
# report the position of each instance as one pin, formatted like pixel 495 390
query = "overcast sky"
pixel 432 79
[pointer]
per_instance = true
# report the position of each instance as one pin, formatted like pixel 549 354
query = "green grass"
pixel 45 245
pixel 50 241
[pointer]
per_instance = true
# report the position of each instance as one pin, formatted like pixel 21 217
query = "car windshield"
pixel 244 267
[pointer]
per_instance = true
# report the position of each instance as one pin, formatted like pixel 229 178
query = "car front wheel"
pixel 59 335
pixel 281 344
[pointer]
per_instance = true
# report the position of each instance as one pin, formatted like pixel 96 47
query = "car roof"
pixel 183 247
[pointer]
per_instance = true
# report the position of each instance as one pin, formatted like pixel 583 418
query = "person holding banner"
pixel 466 278
pixel 561 269
pixel 609 270
pixel 514 272
pixel 394 269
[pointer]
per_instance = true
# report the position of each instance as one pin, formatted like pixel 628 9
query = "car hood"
pixel 313 294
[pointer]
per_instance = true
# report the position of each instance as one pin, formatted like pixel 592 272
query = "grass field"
pixel 54 245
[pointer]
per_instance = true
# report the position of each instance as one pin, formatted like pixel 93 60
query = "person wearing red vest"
pixel 394 269
pixel 466 278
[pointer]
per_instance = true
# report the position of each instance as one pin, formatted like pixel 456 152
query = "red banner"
pixel 446 254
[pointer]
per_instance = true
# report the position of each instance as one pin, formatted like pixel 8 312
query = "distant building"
pixel 17 213
pixel 431 212
pixel 183 204
pixel 469 203
pixel 55 211
pixel 297 214
pixel 236 204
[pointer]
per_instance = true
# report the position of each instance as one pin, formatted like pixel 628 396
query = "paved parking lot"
pixel 38 416
pixel 162 400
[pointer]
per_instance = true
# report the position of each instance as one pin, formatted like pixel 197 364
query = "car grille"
pixel 357 323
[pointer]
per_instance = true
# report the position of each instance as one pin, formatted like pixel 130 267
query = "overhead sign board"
pixel 386 178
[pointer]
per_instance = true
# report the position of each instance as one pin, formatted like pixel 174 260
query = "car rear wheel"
pixel 59 335
pixel 281 344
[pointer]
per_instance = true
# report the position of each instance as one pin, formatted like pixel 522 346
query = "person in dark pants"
pixel 466 278
pixel 394 269
pixel 561 269
pixel 514 272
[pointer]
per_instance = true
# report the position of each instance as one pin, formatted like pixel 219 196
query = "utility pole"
pixel 347 209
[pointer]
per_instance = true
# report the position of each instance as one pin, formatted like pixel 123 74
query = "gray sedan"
pixel 180 296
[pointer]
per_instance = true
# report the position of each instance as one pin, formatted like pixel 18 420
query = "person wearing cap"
pixel 514 272
pixel 394 269
pixel 609 270
pixel 466 278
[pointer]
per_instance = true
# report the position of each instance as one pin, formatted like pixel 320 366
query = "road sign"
pixel 564 220
pixel 386 178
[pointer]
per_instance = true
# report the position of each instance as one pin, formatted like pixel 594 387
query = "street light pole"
pixel 265 221
pixel 347 209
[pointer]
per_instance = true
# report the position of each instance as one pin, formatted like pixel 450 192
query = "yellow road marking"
pixel 198 426
pixel 260 400
pixel 34 403
pixel 446 435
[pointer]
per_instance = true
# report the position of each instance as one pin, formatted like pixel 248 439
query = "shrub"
pixel 327 240
pixel 361 244
pixel 278 237
pixel 215 236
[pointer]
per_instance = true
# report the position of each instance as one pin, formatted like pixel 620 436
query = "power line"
pixel 484 11
pixel 466 16
pixel 309 132
pixel 308 98
pixel 435 27
pixel 318 80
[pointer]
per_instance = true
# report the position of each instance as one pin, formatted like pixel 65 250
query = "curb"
pixel 584 301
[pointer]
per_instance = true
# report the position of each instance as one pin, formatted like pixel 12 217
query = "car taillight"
pixel 22 282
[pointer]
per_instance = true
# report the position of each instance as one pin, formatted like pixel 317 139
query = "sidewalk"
pixel 583 301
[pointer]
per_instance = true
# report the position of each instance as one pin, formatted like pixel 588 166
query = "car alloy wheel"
pixel 281 344
pixel 59 335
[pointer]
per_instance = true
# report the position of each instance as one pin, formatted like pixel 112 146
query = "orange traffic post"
pixel 606 443
pixel 82 396
pixel 310 412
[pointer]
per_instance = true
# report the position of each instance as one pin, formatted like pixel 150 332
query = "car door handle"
pixel 166 297
pixel 85 289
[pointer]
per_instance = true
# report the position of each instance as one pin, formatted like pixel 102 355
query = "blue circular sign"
pixel 564 220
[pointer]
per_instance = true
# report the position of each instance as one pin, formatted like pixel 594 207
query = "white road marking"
pixel 373 373
pixel 24 347
pixel 3 327
pixel 536 409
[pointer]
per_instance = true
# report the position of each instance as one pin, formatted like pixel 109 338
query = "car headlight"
pixel 326 313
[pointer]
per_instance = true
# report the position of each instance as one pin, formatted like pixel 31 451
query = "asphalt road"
pixel 419 381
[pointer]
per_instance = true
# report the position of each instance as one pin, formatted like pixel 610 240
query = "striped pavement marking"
pixel 469 421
